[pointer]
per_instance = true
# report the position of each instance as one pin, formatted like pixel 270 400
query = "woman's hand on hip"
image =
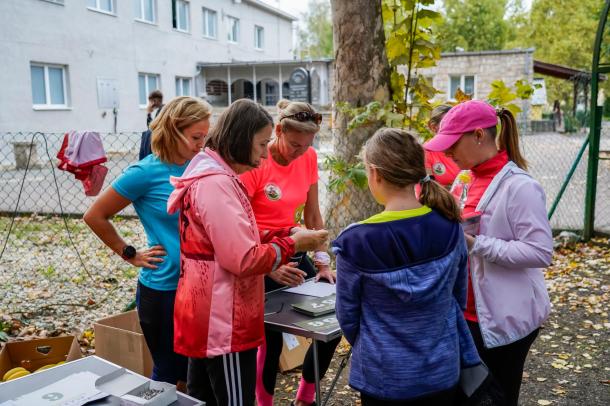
pixel 288 275
pixel 148 258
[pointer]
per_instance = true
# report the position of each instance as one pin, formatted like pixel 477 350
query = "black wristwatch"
pixel 129 252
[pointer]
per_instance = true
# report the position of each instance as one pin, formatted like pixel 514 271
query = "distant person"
pixel 155 104
pixel 557 117
pixel 177 136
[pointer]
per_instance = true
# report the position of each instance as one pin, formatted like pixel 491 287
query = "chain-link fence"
pixel 44 188
pixel 550 156
pixel 52 265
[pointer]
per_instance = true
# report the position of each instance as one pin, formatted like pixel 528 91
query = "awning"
pixel 563 72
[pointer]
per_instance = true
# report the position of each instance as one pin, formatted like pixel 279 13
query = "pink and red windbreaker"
pixel 220 297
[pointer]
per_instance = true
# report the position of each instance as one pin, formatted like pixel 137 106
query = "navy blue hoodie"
pixel 401 291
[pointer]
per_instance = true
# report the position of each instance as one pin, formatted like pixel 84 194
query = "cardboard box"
pixel 33 354
pixel 119 339
pixel 293 351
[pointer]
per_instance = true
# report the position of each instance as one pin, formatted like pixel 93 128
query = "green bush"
pixel 583 118
pixel 570 123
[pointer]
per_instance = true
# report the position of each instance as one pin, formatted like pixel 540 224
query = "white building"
pixel 90 64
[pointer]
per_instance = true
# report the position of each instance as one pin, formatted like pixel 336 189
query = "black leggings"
pixel 274 339
pixel 156 313
pixel 225 380
pixel 443 398
pixel 506 362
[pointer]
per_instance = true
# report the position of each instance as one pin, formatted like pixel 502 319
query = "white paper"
pixel 313 288
pixel 291 341
pixel 74 390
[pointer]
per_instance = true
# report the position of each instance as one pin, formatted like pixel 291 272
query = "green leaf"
pixel 427 13
pixel 513 108
pixel 3 336
pixel 358 176
pixel 524 89
pixel 396 47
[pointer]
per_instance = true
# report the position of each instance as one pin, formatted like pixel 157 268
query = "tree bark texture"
pixel 361 75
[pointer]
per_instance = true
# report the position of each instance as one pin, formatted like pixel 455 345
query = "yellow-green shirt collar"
pixel 386 216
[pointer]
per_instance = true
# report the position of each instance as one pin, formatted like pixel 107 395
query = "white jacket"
pixel 507 259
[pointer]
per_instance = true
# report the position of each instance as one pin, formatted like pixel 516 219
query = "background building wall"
pixel 97 45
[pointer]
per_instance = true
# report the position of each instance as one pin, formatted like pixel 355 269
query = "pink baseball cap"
pixel 462 118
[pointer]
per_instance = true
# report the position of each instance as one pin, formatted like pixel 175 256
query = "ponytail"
pixel 509 138
pixel 438 198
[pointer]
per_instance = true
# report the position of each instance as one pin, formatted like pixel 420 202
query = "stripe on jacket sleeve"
pixel 278 256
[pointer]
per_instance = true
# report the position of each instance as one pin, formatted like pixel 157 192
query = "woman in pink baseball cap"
pixel 507 297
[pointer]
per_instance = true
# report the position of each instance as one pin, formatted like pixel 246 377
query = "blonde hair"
pixel 399 159
pixel 287 108
pixel 175 116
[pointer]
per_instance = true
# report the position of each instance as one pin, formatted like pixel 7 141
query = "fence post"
pixel 595 125
pixel 591 192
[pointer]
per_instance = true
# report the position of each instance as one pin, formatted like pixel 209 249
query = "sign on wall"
pixel 107 93
pixel 300 85
pixel 539 95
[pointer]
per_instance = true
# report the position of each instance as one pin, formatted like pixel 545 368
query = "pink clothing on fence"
pixel 82 154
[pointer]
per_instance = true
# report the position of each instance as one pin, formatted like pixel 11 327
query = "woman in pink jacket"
pixel 218 315
pixel 507 297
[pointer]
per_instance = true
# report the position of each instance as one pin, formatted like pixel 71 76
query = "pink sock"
pixel 306 392
pixel 263 398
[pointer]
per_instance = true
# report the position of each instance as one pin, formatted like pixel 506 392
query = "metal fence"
pixel 45 189
pixel 40 186
pixel 550 157
pixel 49 265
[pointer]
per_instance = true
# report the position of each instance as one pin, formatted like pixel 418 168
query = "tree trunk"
pixel 361 75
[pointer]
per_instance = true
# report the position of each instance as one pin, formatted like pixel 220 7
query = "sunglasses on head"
pixel 306 116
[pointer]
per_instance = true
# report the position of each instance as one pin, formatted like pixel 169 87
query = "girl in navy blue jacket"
pixel 401 283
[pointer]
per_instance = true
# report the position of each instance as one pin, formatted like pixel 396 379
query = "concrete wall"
pixel 96 45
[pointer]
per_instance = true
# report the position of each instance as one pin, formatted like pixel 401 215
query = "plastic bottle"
pixel 459 188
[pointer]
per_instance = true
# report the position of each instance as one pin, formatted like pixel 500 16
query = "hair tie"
pixel 499 111
pixel 425 179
